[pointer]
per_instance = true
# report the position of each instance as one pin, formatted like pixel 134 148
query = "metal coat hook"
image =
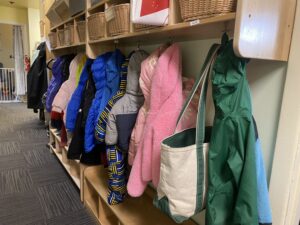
pixel 226 29
pixel 170 41
pixel 116 42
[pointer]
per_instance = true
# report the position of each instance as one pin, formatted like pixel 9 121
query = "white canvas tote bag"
pixel 182 187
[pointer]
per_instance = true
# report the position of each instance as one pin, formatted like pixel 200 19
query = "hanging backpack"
pixel 181 191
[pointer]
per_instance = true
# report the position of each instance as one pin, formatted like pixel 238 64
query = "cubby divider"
pixel 133 211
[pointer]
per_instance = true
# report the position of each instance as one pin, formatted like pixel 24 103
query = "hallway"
pixel 34 188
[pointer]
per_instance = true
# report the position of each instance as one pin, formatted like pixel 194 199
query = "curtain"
pixel 20 81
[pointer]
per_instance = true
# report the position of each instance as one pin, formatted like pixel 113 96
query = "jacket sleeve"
pixel 48 102
pixel 117 175
pixel 136 186
pixel 100 128
pixel 61 99
pixel 111 137
pixel 72 109
pixel 125 124
pixel 263 201
pixel 131 152
pixel 136 135
pixel 89 141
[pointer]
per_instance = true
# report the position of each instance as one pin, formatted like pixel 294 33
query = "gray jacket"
pixel 122 117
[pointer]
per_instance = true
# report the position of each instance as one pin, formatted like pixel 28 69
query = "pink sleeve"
pixel 136 186
pixel 163 128
pixel 61 99
pixel 147 145
pixel 131 152
pixel 136 135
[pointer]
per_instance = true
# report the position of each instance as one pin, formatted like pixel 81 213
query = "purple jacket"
pixel 55 82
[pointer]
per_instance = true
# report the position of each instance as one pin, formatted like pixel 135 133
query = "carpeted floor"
pixel 34 188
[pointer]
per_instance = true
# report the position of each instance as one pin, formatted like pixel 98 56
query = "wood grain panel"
pixel 263 29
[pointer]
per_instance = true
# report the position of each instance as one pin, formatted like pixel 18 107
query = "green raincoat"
pixel 232 190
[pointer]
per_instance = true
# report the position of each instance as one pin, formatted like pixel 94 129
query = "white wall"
pixel 285 179
pixel 6 45
pixel 16 16
pixel 34 28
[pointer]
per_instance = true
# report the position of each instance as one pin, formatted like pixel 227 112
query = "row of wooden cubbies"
pixel 250 16
pixel 92 183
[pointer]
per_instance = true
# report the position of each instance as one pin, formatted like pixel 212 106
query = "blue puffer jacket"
pixel 55 82
pixel 74 103
pixel 107 72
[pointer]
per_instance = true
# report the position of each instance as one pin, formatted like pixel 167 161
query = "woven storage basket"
pixel 69 34
pixel 61 37
pixel 52 39
pixel 121 23
pixel 196 9
pixel 96 26
pixel 81 30
pixel 141 27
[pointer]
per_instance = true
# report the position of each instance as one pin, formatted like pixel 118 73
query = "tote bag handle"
pixel 203 77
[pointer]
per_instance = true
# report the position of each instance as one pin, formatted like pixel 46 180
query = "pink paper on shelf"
pixel 150 12
pixel 149 7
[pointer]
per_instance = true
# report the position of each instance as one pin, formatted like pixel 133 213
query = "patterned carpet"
pixel 34 188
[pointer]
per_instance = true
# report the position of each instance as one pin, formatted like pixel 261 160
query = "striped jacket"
pixel 100 128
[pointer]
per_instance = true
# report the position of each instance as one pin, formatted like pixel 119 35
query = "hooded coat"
pixel 123 114
pixel 100 129
pixel 232 180
pixel 126 108
pixel 147 72
pixel 76 148
pixel 107 72
pixel 37 81
pixel 60 71
pixel 165 106
pixel 74 104
pixel 66 90
pixel 55 82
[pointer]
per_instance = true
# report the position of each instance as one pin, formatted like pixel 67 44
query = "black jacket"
pixel 37 82
pixel 76 148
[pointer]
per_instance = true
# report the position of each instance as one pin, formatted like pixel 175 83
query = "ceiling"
pixel 22 3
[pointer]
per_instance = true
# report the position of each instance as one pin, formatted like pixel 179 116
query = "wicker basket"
pixel 197 9
pixel 81 31
pixel 69 34
pixel 141 27
pixel 61 37
pixel 96 26
pixel 121 23
pixel 52 39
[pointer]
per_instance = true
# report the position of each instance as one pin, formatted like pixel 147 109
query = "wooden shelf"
pixel 133 211
pixel 67 21
pixel 71 166
pixel 69 46
pixel 257 34
pixel 67 168
pixel 197 29
pixel 100 4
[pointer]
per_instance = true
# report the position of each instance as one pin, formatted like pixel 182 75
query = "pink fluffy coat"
pixel 64 94
pixel 166 101
pixel 147 72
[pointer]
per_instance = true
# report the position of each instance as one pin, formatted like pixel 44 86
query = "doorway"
pixel 12 71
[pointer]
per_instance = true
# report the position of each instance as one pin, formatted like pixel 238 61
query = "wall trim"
pixel 285 177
